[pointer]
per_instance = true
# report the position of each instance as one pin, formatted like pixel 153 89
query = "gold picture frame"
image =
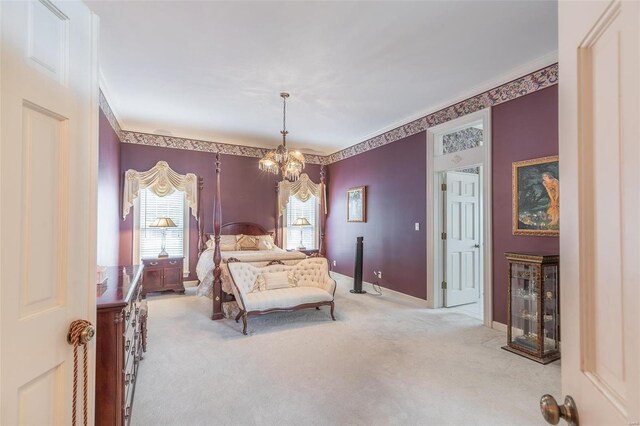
pixel 535 192
pixel 357 204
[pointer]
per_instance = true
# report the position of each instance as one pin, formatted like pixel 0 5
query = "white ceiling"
pixel 214 70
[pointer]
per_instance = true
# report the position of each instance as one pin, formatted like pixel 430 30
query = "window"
pixel 149 240
pixel 309 210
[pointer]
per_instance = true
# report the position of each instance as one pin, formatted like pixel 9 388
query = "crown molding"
pixel 521 81
pixel 106 100
pixel 513 74
pixel 511 90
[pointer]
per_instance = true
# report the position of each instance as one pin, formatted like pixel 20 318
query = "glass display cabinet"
pixel 533 322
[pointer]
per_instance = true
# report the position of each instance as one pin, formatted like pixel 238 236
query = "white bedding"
pixel 204 269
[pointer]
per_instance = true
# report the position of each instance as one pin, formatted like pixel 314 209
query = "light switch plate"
pixel 417 226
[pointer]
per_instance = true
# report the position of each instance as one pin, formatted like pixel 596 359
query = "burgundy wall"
pixel 248 194
pixel 108 193
pixel 395 176
pixel 523 129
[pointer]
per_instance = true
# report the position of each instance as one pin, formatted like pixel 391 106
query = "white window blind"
pixel 310 210
pixel 152 207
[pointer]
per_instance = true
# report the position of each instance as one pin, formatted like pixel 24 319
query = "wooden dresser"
pixel 163 274
pixel 118 345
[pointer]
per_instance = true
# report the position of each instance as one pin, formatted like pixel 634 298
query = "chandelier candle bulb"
pixel 281 160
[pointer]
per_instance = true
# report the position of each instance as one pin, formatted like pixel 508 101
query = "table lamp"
pixel 301 222
pixel 163 223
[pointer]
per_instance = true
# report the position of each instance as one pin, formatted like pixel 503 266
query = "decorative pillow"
pixel 259 285
pixel 227 242
pixel 276 280
pixel 265 242
pixel 248 242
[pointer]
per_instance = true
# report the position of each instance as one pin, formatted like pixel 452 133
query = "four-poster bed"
pixel 212 267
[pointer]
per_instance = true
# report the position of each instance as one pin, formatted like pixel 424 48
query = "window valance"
pixel 162 180
pixel 302 189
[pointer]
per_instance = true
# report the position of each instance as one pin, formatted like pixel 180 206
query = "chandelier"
pixel 289 163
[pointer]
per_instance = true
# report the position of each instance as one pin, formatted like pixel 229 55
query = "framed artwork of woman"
pixel 536 197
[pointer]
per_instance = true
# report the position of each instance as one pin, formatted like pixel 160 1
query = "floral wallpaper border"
pixel 522 86
pixel 202 146
pixel 525 85
pixel 104 106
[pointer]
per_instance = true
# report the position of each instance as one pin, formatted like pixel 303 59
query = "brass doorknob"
pixel 552 412
pixel 80 332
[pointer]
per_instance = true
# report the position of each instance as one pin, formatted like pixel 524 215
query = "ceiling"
pixel 214 70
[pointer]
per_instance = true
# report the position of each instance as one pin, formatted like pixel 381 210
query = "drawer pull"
pixel 173 262
pixel 153 263
pixel 127 345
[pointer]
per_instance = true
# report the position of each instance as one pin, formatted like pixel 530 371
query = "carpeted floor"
pixel 386 360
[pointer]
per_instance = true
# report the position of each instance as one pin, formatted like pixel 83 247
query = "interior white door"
pixel 600 172
pixel 48 168
pixel 462 242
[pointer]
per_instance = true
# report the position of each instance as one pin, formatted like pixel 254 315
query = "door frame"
pixel 436 164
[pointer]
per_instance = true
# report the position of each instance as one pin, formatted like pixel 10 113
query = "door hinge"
pixel 443 235
pixel 443 186
pixel 444 285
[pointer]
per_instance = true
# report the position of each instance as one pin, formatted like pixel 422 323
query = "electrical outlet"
pixel 335 263
pixel 417 226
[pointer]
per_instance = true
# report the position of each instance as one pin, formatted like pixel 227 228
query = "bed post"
pixel 201 240
pixel 217 257
pixel 277 231
pixel 323 204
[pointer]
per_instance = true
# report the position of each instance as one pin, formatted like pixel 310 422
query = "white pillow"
pixel 276 280
pixel 265 242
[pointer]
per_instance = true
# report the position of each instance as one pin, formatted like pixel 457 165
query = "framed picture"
pixel 357 204
pixel 536 197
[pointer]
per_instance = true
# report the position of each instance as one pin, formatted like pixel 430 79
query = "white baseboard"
pixel 499 326
pixel 192 283
pixel 392 293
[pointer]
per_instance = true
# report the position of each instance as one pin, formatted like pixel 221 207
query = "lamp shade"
pixel 301 221
pixel 163 222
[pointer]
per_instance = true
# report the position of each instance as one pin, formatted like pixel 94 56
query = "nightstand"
pixel 162 274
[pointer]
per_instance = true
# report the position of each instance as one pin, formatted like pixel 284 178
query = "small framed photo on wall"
pixel 536 197
pixel 357 204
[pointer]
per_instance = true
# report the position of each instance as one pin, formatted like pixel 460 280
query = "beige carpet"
pixel 386 360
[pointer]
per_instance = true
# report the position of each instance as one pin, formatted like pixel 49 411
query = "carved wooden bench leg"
pixel 244 323
pixel 239 315
pixel 333 305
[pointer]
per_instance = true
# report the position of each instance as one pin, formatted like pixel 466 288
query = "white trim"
pixel 499 326
pixel 438 164
pixel 513 74
pixel 393 293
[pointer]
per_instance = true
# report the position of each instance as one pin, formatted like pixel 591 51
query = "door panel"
pixel 599 133
pixel 462 222
pixel 48 165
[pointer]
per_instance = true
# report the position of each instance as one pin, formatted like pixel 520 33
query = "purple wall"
pixel 248 194
pixel 108 193
pixel 395 176
pixel 523 129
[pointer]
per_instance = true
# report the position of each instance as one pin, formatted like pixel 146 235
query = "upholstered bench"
pixel 281 288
